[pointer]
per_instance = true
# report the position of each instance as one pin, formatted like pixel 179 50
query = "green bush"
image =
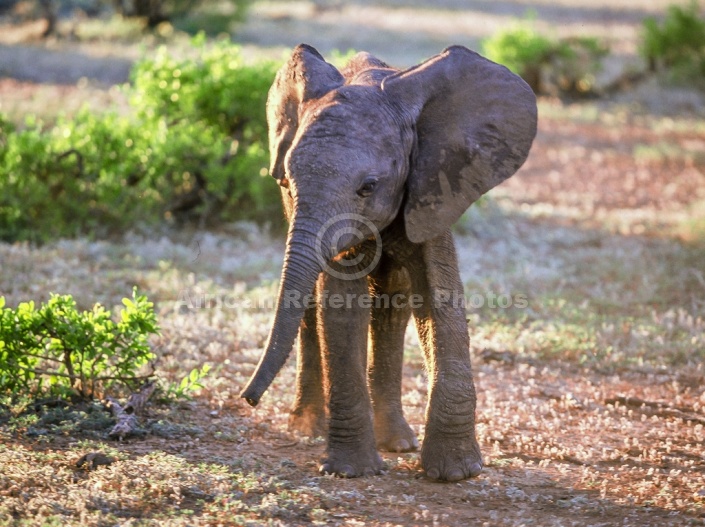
pixel 219 88
pixel 677 43
pixel 569 65
pixel 521 49
pixel 575 63
pixel 225 93
pixel 59 350
pixel 193 148
pixel 69 179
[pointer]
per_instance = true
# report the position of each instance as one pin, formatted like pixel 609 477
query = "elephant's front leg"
pixel 351 448
pixel 308 414
pixel 450 450
pixel 390 316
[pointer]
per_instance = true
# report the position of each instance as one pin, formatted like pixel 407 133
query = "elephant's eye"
pixel 367 186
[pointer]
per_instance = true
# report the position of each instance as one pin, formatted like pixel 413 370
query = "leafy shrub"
pixel 188 383
pixel 224 92
pixel 68 179
pixel 568 65
pixel 97 173
pixel 521 49
pixel 218 88
pixel 678 43
pixel 57 349
pixel 192 149
pixel 574 64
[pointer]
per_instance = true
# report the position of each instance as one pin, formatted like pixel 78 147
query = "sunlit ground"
pixel 591 399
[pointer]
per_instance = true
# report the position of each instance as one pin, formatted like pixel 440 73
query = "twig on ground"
pixel 656 408
pixel 127 416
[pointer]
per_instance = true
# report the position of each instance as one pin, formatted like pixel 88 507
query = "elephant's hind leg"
pixel 308 414
pixel 390 316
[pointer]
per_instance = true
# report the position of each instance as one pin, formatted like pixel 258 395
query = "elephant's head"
pixel 371 143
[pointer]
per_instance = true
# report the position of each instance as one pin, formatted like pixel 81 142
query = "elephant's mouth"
pixel 358 256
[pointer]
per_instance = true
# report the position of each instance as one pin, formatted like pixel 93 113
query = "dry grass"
pixel 591 403
pixel 609 316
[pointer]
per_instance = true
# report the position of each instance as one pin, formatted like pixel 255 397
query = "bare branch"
pixel 127 416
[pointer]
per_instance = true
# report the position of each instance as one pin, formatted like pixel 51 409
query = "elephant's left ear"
pixel 305 76
pixel 475 122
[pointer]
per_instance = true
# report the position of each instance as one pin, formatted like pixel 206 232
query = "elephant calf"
pixel 375 165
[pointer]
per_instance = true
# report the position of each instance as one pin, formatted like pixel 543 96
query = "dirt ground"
pixel 591 402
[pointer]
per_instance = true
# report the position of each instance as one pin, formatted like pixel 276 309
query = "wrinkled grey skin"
pixel 403 154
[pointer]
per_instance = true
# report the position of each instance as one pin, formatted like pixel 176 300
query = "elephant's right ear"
pixel 305 76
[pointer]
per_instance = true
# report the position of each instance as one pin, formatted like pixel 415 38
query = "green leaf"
pixel 40 346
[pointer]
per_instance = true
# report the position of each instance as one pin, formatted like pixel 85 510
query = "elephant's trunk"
pixel 302 265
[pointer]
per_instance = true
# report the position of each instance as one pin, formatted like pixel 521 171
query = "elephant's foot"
pixel 394 434
pixel 351 461
pixel 450 458
pixel 308 421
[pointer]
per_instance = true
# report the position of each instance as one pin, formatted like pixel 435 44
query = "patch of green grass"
pixel 665 151
pixel 581 334
pixel 592 298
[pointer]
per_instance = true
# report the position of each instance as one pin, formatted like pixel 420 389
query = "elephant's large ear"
pixel 305 76
pixel 475 122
